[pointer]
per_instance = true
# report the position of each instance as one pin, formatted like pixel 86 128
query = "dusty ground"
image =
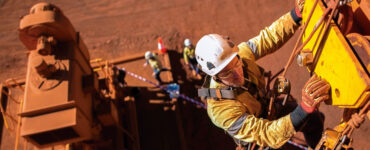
pixel 114 28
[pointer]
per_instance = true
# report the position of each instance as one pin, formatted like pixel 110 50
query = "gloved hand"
pixel 315 91
pixel 299 4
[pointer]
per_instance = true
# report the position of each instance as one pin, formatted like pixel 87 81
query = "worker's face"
pixel 232 74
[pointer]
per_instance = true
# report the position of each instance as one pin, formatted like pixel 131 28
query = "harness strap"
pixel 217 93
pixel 237 125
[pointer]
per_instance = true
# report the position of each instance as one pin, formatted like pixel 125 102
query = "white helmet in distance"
pixel 214 52
pixel 148 54
pixel 187 42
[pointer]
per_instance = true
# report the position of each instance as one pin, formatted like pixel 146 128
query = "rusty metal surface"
pixel 45 18
pixel 361 16
pixel 56 108
pixel 361 47
pixel 3 106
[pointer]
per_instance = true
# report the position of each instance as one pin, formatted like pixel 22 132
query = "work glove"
pixel 315 91
pixel 299 4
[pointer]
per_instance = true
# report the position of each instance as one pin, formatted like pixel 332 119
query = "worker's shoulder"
pixel 245 51
pixel 224 112
pixel 187 49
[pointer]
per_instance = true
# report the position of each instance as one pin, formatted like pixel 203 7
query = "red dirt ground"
pixel 115 28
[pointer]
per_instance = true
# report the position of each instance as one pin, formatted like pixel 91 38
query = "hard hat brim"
pixel 223 64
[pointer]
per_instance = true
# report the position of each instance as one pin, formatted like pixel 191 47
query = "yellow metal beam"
pixel 337 62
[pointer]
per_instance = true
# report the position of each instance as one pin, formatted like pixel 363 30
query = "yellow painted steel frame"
pixel 337 62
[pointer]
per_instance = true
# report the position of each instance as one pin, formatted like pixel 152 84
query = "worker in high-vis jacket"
pixel 234 89
pixel 152 59
pixel 189 57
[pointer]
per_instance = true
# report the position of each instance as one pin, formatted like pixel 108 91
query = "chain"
pixel 164 88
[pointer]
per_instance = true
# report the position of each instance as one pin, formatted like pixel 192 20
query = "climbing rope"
pixel 355 122
pixel 165 88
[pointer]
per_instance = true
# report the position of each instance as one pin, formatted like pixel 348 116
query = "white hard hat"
pixel 213 52
pixel 187 42
pixel 148 54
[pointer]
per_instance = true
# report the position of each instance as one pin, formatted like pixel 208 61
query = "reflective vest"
pixel 189 53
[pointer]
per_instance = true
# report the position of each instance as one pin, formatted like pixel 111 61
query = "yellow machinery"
pixel 338 59
pixel 336 47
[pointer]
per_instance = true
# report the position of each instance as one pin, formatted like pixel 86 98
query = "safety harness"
pixel 230 92
pixel 227 92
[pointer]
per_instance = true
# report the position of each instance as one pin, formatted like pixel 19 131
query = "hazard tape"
pixel 165 88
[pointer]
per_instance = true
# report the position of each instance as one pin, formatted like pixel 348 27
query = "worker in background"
pixel 234 89
pixel 189 58
pixel 152 59
pixel 120 76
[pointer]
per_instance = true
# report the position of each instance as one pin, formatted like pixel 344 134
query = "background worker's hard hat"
pixel 213 52
pixel 187 42
pixel 148 54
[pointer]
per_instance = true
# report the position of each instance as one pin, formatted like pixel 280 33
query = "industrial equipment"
pixel 335 46
pixel 63 100
pixel 58 61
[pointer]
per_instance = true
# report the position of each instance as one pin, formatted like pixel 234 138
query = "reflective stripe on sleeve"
pixel 235 127
pixel 253 47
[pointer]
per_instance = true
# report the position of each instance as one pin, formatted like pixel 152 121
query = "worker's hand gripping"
pixel 315 91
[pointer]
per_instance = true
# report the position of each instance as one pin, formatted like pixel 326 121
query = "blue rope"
pixel 165 88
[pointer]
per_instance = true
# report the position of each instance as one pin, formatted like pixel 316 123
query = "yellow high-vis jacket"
pixel 189 52
pixel 154 63
pixel 241 118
